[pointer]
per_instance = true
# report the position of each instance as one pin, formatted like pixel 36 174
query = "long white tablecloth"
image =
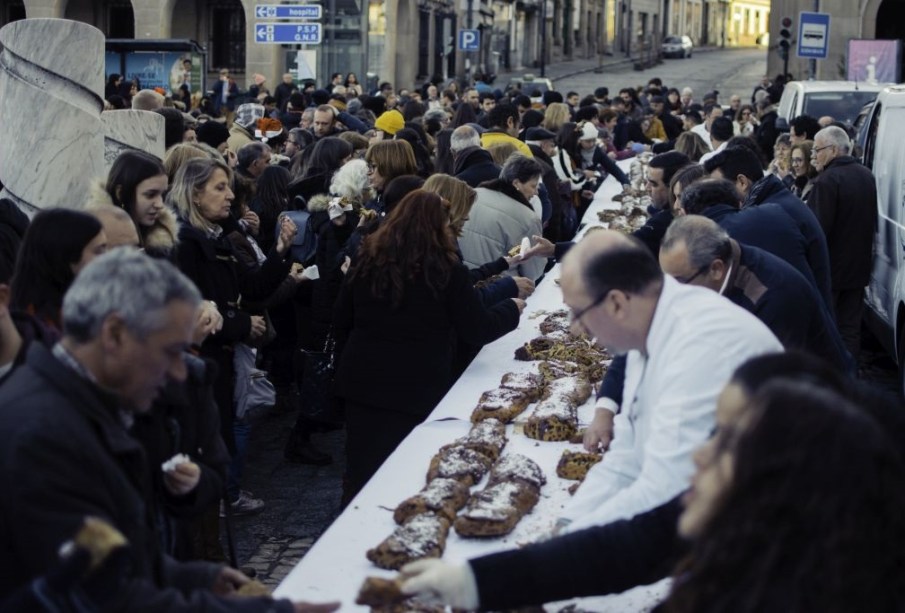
pixel 336 566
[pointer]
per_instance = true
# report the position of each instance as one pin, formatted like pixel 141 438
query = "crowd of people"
pixel 344 255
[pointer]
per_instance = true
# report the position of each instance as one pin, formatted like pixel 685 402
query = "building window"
pixel 120 21
pixel 227 39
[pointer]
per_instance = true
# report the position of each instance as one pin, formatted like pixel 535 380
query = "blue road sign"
pixel 288 11
pixel 813 35
pixel 469 40
pixel 288 33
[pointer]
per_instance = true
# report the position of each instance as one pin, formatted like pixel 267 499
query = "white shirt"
pixel 710 154
pixel 702 131
pixel 696 341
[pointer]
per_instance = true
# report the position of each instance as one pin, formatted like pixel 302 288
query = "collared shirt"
pixel 696 340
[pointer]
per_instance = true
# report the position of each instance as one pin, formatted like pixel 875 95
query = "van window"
pixel 870 143
pixel 841 106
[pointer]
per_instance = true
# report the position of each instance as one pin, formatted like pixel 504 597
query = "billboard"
pixel 874 60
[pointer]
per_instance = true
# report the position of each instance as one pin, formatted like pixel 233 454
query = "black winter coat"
pixel 771 189
pixel 65 454
pixel 474 166
pixel 639 551
pixel 401 358
pixel 844 198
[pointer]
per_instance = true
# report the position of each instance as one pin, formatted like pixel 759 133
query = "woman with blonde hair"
pixel 692 145
pixel 555 116
pixel 500 152
pixel 387 160
pixel 179 154
pixel 202 196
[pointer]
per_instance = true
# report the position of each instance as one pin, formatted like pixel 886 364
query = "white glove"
pixel 453 585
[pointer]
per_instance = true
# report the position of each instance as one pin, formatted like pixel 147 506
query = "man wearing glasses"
pixel 682 342
pixel 844 198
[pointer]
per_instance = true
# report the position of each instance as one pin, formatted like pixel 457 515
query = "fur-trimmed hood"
pixel 160 239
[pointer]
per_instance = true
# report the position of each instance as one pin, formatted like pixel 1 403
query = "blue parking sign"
pixel 813 35
pixel 469 40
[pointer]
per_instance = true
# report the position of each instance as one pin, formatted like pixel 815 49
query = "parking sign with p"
pixel 469 40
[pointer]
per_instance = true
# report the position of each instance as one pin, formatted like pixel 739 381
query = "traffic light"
pixel 785 37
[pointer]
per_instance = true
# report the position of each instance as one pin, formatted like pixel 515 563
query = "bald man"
pixel 683 344
pixel 118 225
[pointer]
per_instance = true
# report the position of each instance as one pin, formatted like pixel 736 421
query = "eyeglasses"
pixel 577 315
pixel 686 281
pixel 817 150
pixel 371 168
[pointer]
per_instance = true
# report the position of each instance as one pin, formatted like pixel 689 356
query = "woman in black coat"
pixel 202 195
pixel 405 299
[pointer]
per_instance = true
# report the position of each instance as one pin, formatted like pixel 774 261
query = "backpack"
pixel 304 245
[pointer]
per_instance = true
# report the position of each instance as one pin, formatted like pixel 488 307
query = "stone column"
pixel 54 67
pixel 129 129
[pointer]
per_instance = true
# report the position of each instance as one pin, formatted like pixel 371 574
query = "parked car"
pixel 676 46
pixel 531 86
pixel 841 100
pixel 883 151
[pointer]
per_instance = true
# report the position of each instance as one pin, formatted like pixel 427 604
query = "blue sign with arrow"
pixel 813 35
pixel 289 33
pixel 288 11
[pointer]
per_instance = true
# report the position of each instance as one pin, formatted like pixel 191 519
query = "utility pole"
pixel 469 17
pixel 812 63
pixel 543 38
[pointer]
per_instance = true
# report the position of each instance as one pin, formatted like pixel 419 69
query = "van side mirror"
pixel 782 124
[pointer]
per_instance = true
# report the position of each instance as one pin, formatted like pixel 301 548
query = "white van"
pixel 883 151
pixel 841 100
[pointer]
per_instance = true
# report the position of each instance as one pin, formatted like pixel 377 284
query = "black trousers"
pixel 849 305
pixel 372 434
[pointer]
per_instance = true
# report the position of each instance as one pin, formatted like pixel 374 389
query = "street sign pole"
pixel 813 38
pixel 812 63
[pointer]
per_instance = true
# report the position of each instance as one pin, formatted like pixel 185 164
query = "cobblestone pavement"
pixel 301 501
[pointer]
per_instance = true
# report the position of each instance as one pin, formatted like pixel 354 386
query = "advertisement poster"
pixel 874 60
pixel 166 69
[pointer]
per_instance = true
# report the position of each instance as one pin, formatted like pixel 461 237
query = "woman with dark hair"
pixel 673 101
pixel 353 87
pixel 137 183
pixel 270 201
pixel 682 179
pixel 57 245
pixel 326 157
pixel 798 505
pixel 444 162
pixel 422 156
pixel 403 299
pixel 464 114
pixel 112 87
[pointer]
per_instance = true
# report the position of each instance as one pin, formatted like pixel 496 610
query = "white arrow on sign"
pixel 261 33
pixel 260 11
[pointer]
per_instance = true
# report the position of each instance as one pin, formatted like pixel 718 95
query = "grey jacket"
pixel 498 221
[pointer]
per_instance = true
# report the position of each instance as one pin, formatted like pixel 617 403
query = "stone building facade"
pixel 401 41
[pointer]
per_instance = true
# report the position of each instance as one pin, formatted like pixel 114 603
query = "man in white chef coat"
pixel 683 345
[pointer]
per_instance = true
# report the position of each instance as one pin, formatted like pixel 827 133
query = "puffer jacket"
pixel 499 220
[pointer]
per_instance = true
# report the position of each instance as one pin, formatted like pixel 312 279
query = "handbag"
pixel 316 388
pixel 254 393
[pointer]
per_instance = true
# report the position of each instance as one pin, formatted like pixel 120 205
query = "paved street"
pixel 302 501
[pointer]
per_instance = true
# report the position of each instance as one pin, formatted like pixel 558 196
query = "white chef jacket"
pixel 696 340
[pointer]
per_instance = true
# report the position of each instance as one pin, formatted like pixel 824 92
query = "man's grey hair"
pixel 705 240
pixel 520 167
pixel 250 153
pixel 130 284
pixel 834 135
pixel 464 137
pixel 438 114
